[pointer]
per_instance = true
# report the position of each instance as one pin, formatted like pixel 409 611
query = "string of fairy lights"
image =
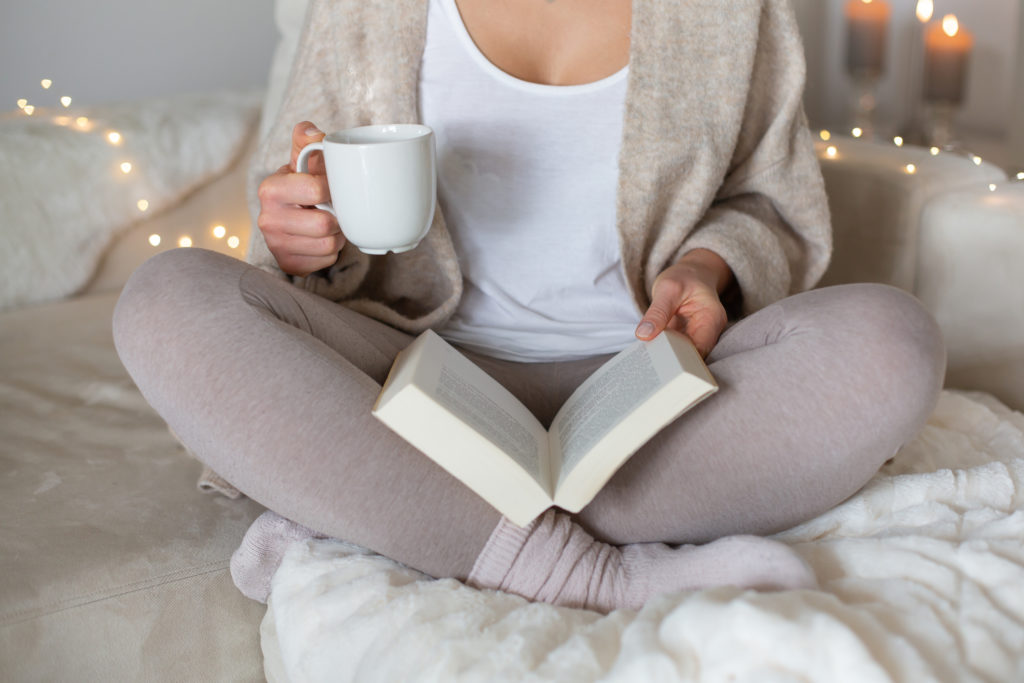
pixel 832 152
pixel 219 231
pixel 114 138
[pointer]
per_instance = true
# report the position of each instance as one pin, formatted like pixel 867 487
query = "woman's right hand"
pixel 302 239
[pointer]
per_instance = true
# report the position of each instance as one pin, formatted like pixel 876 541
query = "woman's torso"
pixel 527 182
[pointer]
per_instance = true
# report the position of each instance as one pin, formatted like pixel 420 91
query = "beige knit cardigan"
pixel 715 151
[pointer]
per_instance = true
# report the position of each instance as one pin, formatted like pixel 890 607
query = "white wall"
pixel 113 50
pixel 988 110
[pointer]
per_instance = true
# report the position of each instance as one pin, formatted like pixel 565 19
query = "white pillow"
pixel 64 197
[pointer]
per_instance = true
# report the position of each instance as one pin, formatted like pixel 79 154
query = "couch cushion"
pixel 876 204
pixel 114 567
pixel 970 277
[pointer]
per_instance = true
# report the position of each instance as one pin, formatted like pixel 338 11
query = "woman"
pixel 605 171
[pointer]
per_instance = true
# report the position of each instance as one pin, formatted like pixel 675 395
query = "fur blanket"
pixel 921 576
pixel 64 197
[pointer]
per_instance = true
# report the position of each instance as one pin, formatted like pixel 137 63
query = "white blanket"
pixel 922 577
pixel 64 197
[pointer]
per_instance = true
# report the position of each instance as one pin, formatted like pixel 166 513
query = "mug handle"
pixel 302 165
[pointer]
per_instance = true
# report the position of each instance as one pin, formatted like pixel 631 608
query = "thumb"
pixel 303 134
pixel 658 315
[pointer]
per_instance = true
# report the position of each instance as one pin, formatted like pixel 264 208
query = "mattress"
pixel 113 565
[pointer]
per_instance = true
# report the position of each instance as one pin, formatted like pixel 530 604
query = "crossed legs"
pixel 271 387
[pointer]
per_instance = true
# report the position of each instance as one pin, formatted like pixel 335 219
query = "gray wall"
pixel 118 50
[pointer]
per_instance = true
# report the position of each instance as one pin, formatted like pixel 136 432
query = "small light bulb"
pixel 898 141
pixel 831 151
pixel 28 109
pixel 950 25
pixel 113 137
pixel 143 204
pixel 22 102
pixel 977 160
pixel 154 239
pixel 1020 176
pixel 935 151
pixel 992 187
pixel 219 231
pixel 66 101
pixel 126 167
pixel 82 121
pixel 911 169
pixel 233 242
pixel 185 241
pixel 46 83
pixel 857 132
pixel 925 10
pixel 825 135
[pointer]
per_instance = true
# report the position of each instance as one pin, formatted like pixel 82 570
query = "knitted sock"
pixel 554 560
pixel 256 560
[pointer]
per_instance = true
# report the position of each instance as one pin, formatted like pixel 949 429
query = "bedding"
pixel 65 198
pixel 921 573
pixel 112 564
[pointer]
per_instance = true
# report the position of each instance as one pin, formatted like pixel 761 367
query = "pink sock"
pixel 254 562
pixel 554 560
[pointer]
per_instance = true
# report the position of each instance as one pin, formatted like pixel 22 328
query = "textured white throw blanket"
pixel 922 577
pixel 64 197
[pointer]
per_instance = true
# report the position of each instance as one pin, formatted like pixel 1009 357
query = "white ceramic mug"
pixel 383 184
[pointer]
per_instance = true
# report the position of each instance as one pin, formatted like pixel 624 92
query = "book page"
pixel 490 419
pixel 619 408
pixel 601 402
pixel 464 420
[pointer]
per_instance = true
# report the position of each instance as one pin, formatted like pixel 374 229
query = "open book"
pixel 459 416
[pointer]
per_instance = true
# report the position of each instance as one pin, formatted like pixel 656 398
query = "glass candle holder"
pixel 864 102
pixel 939 124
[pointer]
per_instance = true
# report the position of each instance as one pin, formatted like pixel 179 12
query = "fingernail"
pixel 310 132
pixel 645 329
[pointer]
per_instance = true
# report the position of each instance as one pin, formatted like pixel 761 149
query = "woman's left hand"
pixel 685 298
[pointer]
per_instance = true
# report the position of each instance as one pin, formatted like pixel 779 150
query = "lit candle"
pixel 867 36
pixel 947 52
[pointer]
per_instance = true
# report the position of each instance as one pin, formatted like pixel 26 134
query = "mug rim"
pixel 405 132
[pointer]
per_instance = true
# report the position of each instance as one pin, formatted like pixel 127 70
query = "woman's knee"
pixel 902 353
pixel 163 292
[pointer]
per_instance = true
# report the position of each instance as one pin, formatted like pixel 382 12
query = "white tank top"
pixel 527 180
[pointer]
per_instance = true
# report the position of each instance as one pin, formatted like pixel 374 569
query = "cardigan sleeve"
pixel 769 219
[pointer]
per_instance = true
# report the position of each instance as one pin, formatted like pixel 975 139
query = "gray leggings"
pixel 271 386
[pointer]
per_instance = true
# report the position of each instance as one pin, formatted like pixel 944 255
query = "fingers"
pixel 304 133
pixel 295 189
pixel 703 328
pixel 667 296
pixel 685 304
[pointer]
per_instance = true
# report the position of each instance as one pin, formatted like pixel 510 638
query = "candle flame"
pixel 925 10
pixel 950 25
